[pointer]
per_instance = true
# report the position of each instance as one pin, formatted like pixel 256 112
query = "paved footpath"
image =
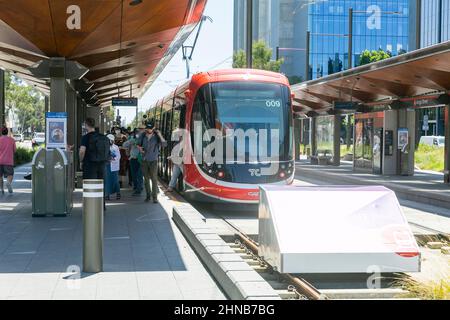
pixel 145 255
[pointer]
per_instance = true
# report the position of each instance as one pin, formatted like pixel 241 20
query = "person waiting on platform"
pixel 112 171
pixel 149 145
pixel 7 150
pixel 94 152
pixel 177 166
pixel 131 145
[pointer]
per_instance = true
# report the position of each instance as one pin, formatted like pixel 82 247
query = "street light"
pixel 249 38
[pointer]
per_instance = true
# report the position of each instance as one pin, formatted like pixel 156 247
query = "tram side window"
pixel 183 117
pixel 175 119
pixel 196 118
pixel 201 113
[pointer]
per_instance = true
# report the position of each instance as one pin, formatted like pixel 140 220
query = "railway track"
pixel 324 287
pixel 317 287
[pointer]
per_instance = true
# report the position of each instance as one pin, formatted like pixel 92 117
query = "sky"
pixel 214 51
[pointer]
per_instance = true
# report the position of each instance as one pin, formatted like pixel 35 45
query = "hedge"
pixel 23 156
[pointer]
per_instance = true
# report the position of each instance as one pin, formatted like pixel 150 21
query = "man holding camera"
pixel 149 145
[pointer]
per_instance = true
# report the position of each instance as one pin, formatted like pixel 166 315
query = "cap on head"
pixel 111 137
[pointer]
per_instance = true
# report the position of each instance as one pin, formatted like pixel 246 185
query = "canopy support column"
pixel 447 147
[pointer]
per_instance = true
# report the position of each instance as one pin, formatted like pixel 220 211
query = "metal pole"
pixel 308 43
pixel 2 98
pixel 313 136
pixel 418 23
pixel 93 202
pixel 277 54
pixel 337 141
pixel 46 103
pixel 249 40
pixel 350 38
pixel 439 19
pixel 131 95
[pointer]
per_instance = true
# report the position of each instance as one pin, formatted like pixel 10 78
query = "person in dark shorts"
pixel 92 168
pixel 7 150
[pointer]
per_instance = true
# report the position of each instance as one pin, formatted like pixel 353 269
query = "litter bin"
pixel 52 182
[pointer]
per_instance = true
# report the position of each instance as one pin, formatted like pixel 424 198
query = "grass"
pixel 345 151
pixel 429 158
pixel 431 290
pixel 23 156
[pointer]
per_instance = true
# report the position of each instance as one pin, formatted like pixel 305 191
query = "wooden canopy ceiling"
pixel 418 73
pixel 122 45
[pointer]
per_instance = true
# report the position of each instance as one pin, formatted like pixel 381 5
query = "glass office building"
pixel 435 22
pixel 279 23
pixel 284 23
pixel 433 28
pixel 376 24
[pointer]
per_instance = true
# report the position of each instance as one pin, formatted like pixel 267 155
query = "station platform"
pixel 424 187
pixel 145 255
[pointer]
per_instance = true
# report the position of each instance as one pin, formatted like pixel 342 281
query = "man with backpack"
pixel 149 144
pixel 94 152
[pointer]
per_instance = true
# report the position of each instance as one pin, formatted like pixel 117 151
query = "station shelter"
pixel 375 115
pixel 82 54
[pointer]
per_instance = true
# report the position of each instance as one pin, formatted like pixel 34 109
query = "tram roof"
pixel 122 46
pixel 416 74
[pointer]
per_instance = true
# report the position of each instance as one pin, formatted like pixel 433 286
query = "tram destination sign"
pixel 124 102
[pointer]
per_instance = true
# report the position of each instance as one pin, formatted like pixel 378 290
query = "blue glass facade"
pixel 376 24
pixel 435 22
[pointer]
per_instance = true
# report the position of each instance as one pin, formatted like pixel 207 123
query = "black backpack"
pixel 99 148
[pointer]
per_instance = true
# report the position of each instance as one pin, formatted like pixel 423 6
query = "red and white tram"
pixel 236 99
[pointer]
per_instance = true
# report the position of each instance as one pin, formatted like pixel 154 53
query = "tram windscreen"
pixel 258 106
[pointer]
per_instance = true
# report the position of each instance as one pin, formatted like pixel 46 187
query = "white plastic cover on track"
pixel 335 230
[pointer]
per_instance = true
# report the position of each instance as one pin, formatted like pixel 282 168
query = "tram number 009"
pixel 273 103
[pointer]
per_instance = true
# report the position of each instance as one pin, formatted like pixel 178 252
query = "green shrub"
pixel 429 158
pixel 23 156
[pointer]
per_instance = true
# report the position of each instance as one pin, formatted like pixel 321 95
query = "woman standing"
pixel 112 171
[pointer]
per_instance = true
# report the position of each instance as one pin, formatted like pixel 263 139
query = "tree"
pixel 295 79
pixel 140 119
pixel 262 58
pixel 373 56
pixel 26 104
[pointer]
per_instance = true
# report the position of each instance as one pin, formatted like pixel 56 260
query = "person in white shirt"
pixel 112 184
pixel 177 168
